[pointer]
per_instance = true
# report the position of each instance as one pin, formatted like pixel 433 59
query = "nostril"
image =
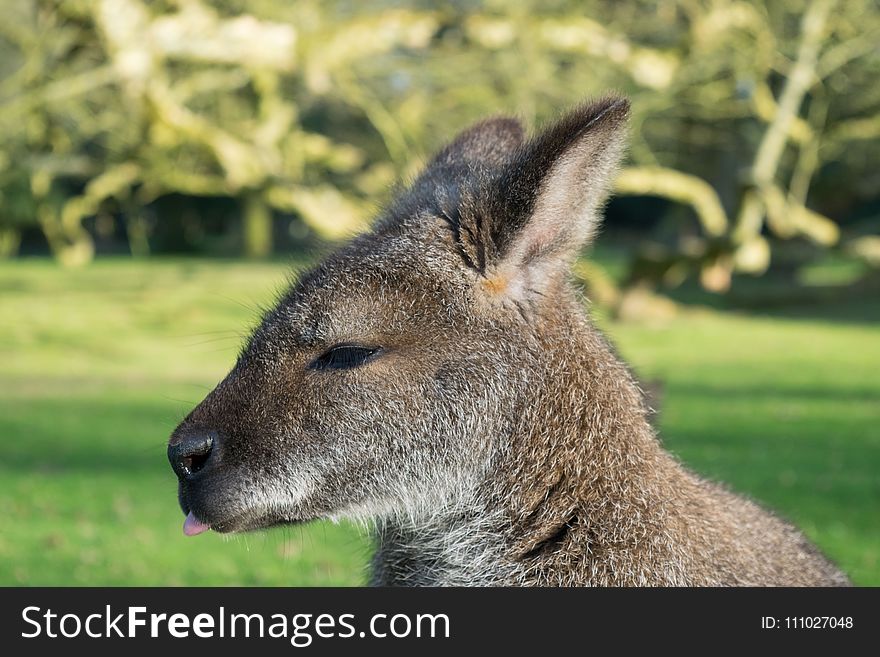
pixel 189 455
pixel 195 462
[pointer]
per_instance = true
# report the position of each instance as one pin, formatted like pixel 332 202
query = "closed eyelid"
pixel 344 356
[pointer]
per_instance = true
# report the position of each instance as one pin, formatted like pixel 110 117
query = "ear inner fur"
pixel 541 208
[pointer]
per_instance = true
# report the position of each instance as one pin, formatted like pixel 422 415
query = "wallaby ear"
pixel 474 156
pixel 487 144
pixel 543 208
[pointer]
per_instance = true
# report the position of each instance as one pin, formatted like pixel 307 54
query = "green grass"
pixel 98 365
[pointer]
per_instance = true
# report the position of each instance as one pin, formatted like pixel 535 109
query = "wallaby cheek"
pixel 381 441
pixel 443 437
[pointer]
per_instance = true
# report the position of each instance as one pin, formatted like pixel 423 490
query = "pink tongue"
pixel 193 526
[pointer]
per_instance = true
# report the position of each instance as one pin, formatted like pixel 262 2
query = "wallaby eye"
pixel 343 357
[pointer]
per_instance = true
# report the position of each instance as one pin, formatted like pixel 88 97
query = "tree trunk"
pixel 257 226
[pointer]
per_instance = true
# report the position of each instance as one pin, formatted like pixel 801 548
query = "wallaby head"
pixel 388 378
pixel 439 376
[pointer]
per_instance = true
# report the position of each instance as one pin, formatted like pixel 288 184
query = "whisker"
pixel 211 340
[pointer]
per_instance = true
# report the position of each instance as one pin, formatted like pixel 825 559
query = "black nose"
pixel 189 453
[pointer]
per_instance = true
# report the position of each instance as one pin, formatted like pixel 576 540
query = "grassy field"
pixel 98 365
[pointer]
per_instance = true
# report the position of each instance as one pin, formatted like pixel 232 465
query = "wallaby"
pixel 439 377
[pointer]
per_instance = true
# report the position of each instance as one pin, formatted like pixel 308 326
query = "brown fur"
pixel 480 422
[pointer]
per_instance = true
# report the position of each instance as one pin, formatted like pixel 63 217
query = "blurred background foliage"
pixel 261 127
pixel 270 128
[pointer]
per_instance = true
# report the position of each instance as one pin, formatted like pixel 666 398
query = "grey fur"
pixel 495 438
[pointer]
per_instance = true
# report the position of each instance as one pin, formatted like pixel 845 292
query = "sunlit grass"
pixel 98 365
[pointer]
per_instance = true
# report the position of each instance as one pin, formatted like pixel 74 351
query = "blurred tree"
pixel 315 108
